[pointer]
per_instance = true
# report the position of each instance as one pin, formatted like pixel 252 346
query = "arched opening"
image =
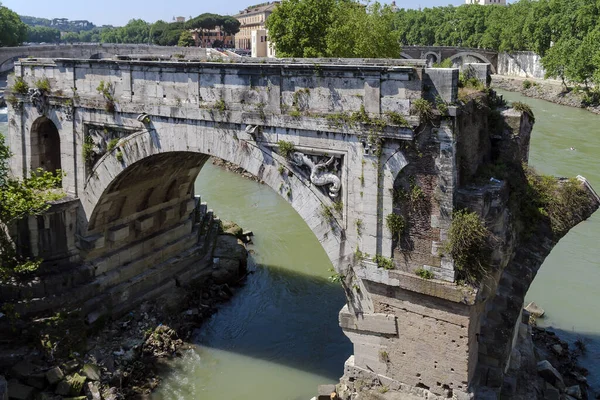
pixel 467 57
pixel 432 58
pixel 45 145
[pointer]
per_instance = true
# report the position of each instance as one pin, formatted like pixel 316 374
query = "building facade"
pixel 251 19
pixel 487 2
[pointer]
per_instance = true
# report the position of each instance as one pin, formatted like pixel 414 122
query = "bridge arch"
pixel 432 57
pixel 478 56
pixel 45 145
pixel 155 168
pixel 9 63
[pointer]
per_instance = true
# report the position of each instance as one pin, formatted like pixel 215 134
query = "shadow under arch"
pixel 156 168
pixel 45 145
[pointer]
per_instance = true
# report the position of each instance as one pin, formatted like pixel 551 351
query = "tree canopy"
pixel 565 33
pixel 13 31
pixel 43 34
pixel 333 28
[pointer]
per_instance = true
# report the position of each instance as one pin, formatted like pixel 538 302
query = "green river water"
pixel 278 338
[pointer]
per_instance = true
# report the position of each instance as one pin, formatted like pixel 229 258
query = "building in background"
pixel 208 38
pixel 179 19
pixel 487 2
pixel 261 47
pixel 252 19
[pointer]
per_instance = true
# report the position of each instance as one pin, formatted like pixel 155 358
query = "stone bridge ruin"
pixel 374 155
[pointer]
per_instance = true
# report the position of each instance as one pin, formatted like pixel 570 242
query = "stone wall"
pixel 525 64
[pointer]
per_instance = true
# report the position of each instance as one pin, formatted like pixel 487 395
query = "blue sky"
pixel 118 12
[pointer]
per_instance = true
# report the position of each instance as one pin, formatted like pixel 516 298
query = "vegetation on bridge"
pixel 18 199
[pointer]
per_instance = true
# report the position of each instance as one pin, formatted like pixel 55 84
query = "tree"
pixel 18 199
pixel 556 59
pixel 230 25
pixel 186 39
pixel 299 27
pixel 70 37
pixel 13 31
pixel 359 32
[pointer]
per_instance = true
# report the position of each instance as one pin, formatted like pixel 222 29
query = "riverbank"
pixel 549 90
pixel 122 358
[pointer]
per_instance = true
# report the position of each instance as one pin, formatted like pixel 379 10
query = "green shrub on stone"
pixel 20 86
pixel 423 109
pixel 396 224
pixel 468 245
pixel 286 148
pixel 43 84
pixel 423 273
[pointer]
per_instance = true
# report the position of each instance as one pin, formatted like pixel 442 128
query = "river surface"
pixel 278 338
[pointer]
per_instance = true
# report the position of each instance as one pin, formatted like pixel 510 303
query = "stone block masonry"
pixel 373 170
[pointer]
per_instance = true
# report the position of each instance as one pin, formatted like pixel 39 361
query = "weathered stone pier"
pixel 374 155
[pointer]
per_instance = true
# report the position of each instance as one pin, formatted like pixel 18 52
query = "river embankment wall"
pixel 524 64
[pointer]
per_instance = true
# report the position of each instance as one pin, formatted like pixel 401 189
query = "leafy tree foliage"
pixel 13 31
pixel 566 33
pixel 186 39
pixel 62 24
pixel 333 28
pixel 18 199
pixel 43 34
pixel 299 27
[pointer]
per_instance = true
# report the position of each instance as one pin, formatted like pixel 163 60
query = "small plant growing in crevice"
pixel 107 90
pixel 327 213
pixel 359 226
pixel 119 156
pixel 220 106
pixel 88 150
pixel 384 357
pixel 20 86
pixel 112 144
pixel 423 109
pixel 396 224
pixel 281 169
pixel 43 85
pixel 384 262
pixel 423 273
pixel 338 206
pixel 441 105
pixel 524 108
pixel 397 118
pixel 335 277
pixel 286 148
pixel 359 255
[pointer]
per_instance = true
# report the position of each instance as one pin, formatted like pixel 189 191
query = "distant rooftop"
pixel 258 8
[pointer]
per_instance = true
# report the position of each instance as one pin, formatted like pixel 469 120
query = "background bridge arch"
pixel 160 169
pixel 477 56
